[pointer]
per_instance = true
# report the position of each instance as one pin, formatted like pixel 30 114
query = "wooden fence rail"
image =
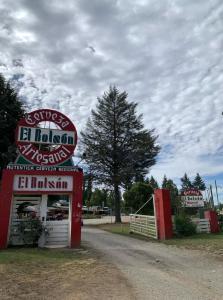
pixel 143 225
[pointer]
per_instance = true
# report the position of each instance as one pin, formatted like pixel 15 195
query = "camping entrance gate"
pixel 158 226
pixel 144 224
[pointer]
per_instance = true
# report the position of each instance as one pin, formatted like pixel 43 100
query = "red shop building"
pixel 42 184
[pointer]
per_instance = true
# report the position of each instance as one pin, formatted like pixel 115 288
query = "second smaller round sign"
pixel 43 144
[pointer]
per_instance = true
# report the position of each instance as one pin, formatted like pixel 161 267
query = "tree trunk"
pixel 117 204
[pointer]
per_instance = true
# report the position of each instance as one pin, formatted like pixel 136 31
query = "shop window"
pixel 58 207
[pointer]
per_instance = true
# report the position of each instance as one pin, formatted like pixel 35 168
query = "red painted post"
pixel 5 206
pixel 212 216
pixel 76 210
pixel 163 214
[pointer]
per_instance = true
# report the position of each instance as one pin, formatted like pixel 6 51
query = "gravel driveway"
pixel 157 271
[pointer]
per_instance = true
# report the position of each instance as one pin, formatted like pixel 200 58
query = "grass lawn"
pixel 27 256
pixel 122 229
pixel 115 228
pixel 212 243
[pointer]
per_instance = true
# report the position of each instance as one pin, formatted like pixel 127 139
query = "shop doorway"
pixel 55 216
pixel 52 210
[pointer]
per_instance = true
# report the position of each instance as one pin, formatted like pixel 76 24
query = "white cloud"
pixel 166 54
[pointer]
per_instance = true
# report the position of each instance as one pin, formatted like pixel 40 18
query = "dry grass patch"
pixel 58 274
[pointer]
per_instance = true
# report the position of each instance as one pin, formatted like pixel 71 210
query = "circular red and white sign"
pixel 44 145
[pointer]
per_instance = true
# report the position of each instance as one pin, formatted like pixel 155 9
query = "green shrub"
pixel 30 231
pixel 220 220
pixel 184 226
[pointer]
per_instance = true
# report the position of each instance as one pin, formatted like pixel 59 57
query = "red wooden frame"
pixel 6 197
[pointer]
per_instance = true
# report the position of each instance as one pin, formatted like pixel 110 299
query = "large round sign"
pixel 46 137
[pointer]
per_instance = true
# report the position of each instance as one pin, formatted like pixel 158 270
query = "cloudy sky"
pixel 167 54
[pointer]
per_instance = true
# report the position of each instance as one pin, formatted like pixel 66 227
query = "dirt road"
pixel 157 271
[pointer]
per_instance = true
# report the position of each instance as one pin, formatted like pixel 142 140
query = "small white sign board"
pixel 192 201
pixel 43 183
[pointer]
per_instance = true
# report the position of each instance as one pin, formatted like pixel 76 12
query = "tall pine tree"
pixel 11 111
pixel 198 183
pixel 185 183
pixel 153 183
pixel 164 183
pixel 118 148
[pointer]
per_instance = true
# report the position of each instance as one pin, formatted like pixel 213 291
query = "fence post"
pixel 163 214
pixel 5 206
pixel 211 215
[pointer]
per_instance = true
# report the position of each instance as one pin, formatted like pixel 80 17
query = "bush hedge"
pixel 184 226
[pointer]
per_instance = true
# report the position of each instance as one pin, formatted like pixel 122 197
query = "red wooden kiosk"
pixel 43 183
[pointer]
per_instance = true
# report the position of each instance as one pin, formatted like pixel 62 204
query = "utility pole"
pixel 211 198
pixel 217 193
pixel 208 195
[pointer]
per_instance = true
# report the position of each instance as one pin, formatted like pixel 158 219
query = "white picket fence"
pixel 143 225
pixel 203 225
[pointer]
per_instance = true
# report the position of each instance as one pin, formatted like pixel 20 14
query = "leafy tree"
pixel 88 179
pixel 138 178
pixel 171 186
pixel 11 111
pixel 118 148
pixel 137 196
pixel 185 183
pixel 198 183
pixel 99 197
pixel 110 199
